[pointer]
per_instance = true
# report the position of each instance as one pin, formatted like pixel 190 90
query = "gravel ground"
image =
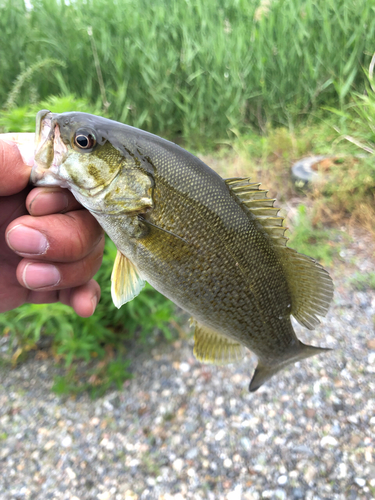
pixel 181 429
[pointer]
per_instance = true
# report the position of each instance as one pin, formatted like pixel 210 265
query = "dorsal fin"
pixel 211 346
pixel 310 285
pixel 260 206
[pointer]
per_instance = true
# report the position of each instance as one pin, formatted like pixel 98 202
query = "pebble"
pixel 181 430
pixel 67 442
pixel 360 481
pixel 178 465
pixel 328 441
pixel 281 480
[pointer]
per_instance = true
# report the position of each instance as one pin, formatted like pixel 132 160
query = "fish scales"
pixel 219 286
pixel 205 243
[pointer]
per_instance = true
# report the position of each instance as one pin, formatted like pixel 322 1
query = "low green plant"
pixel 313 241
pixel 100 342
pixel 363 281
pixel 198 69
pixel 350 186
pixel 22 119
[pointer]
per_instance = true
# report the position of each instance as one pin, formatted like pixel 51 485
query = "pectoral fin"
pixel 211 346
pixel 126 281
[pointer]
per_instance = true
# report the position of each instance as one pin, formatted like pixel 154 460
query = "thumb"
pixel 16 160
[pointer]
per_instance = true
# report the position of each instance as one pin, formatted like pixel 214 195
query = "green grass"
pixel 101 341
pixel 315 241
pixel 363 281
pixel 198 69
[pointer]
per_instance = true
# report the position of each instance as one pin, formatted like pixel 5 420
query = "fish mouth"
pixel 50 151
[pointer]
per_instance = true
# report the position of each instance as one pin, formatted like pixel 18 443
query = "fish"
pixel 215 247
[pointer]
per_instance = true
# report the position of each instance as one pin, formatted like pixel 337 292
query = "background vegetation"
pixel 188 67
pixel 255 84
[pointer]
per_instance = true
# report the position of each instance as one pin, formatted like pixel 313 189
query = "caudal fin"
pixel 264 372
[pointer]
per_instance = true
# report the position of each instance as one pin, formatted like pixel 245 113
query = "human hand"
pixel 50 247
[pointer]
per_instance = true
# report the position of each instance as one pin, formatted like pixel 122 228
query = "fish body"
pixel 214 247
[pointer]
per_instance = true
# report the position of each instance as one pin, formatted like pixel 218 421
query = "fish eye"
pixel 84 139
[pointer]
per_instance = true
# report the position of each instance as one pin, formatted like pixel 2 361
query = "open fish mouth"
pixel 50 151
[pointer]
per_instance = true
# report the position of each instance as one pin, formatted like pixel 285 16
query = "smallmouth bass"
pixel 215 247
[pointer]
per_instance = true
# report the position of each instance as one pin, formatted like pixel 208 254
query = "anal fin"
pixel 126 281
pixel 211 346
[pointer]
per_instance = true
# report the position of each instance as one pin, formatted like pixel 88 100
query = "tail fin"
pixel 264 372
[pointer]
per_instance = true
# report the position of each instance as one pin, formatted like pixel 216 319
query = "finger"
pixel 82 299
pixel 25 143
pixel 43 276
pixel 46 201
pixel 60 237
pixel 15 173
pixel 34 297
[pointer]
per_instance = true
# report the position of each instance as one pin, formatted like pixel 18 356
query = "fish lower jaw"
pixel 43 177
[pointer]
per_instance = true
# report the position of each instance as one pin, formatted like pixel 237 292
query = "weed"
pixel 363 282
pixel 99 341
pixel 22 119
pixel 313 241
pixel 208 77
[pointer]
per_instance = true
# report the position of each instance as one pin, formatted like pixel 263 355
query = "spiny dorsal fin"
pixel 260 206
pixel 213 347
pixel 126 282
pixel 310 285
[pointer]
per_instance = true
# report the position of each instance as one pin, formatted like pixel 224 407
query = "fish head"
pixel 89 155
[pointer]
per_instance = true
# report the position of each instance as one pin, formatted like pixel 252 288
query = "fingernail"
pixel 49 202
pixel 40 275
pixel 23 239
pixel 94 302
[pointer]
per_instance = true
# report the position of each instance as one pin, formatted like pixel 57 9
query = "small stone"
pixel 328 441
pixel 343 471
pixel 353 419
pixel 104 496
pixel 310 412
pixel 178 465
pixel 310 473
pixel 109 445
pixel 49 445
pixel 280 494
pixel 130 495
pixel 235 494
pixel 184 367
pixel 360 481
pixel 246 443
pixel 72 475
pixel 281 480
pixel 220 435
pixel 192 453
pixel 298 493
pixel 108 406
pixel 67 442
pixel 227 463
